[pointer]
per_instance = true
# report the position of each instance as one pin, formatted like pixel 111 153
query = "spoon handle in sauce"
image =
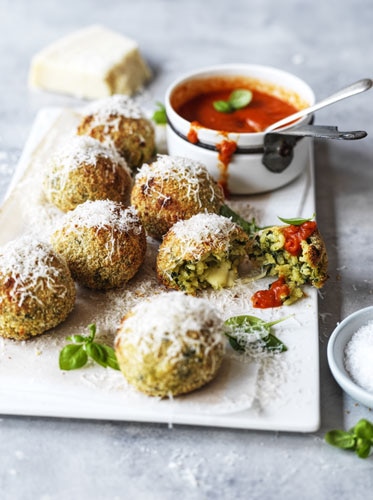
pixel 355 88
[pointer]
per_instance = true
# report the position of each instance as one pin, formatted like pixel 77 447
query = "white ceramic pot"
pixel 246 173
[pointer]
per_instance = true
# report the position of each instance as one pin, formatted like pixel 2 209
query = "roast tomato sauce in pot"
pixel 231 144
pixel 263 110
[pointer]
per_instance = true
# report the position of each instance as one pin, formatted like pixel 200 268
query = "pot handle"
pixel 278 147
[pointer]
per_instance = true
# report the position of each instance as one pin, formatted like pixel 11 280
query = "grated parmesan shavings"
pixel 28 263
pixel 101 214
pixel 184 172
pixel 205 227
pixel 113 106
pixel 79 150
pixel 170 316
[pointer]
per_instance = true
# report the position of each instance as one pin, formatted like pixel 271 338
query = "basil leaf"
pixel 234 343
pixel 341 439
pixel 77 339
pixel 222 106
pixel 92 329
pixel 76 355
pixel 296 221
pixel 97 353
pixel 111 358
pixel 249 227
pixel 247 324
pixel 363 448
pixel 72 357
pixel 364 429
pixel 250 323
pixel 272 343
pixel 255 327
pixel 240 98
pixel 159 116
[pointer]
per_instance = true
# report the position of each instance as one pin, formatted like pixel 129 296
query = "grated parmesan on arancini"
pixel 101 214
pixel 187 173
pixel 205 228
pixel 171 344
pixel 171 316
pixel 80 149
pixel 29 264
pixel 115 105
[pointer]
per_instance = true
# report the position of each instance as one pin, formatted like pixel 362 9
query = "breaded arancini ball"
pixel 171 344
pixel 84 169
pixel 37 291
pixel 119 122
pixel 297 254
pixel 103 243
pixel 172 189
pixel 203 251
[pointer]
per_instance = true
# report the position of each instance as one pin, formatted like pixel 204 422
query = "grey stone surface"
pixel 329 44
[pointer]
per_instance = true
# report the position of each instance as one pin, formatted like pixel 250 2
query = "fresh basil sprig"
pixel 75 355
pixel 238 99
pixel 245 330
pixel 249 227
pixel 296 221
pixel 358 439
pixel 159 116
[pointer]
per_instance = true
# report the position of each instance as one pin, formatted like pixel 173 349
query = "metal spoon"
pixel 355 88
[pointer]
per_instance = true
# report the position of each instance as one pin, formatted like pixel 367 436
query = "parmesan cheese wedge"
pixel 91 63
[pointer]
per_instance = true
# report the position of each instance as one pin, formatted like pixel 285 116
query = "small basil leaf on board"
pixel 76 355
pixel 111 359
pixel 296 221
pixel 159 116
pixel 272 343
pixel 97 353
pixel 234 343
pixel 77 339
pixel 247 323
pixel 258 332
pixel 72 357
pixel 222 106
pixel 240 98
pixel 92 330
pixel 250 228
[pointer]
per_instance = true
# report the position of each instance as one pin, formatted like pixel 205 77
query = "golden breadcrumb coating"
pixel 172 189
pixel 37 291
pixel 171 344
pixel 103 243
pixel 201 252
pixel 84 169
pixel 119 123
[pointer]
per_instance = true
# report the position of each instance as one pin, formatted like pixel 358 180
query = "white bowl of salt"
pixel 350 355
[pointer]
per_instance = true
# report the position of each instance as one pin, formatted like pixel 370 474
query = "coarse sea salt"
pixel 359 356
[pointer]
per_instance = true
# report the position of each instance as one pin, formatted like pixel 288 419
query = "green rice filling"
pixel 213 270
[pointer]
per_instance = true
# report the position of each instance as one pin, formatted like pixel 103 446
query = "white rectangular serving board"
pixel 274 393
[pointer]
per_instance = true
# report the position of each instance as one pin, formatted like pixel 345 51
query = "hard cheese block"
pixel 91 63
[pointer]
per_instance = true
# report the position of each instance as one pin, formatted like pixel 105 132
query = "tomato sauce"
pixel 193 134
pixel 294 235
pixel 262 111
pixel 273 297
pixel 226 150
